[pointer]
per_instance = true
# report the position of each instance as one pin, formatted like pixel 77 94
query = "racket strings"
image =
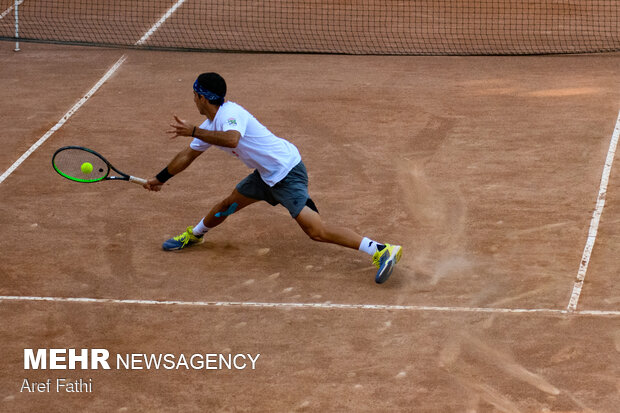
pixel 68 163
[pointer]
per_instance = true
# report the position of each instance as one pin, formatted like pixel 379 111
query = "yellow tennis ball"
pixel 86 168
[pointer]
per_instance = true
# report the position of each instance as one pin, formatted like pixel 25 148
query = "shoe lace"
pixel 376 259
pixel 378 256
pixel 184 237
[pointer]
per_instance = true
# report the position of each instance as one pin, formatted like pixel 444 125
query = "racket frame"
pixel 121 175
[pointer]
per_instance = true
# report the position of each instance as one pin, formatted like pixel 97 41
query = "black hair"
pixel 214 83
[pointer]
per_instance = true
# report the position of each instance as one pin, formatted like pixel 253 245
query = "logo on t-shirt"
pixel 232 122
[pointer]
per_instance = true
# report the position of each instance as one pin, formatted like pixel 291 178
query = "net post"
pixel 17 25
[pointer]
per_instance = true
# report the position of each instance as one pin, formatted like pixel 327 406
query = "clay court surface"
pixel 485 169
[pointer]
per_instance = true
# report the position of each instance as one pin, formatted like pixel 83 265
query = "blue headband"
pixel 206 93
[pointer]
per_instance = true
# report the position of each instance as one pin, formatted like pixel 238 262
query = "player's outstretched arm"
pixel 181 161
pixel 227 139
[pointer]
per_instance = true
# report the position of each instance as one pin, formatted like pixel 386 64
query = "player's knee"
pixel 315 236
pixel 316 233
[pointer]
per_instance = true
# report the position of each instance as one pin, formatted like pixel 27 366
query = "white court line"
pixel 10 9
pixel 63 120
pixel 88 95
pixel 307 305
pixel 596 218
pixel 161 21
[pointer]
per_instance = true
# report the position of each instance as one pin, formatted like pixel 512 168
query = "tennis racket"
pixel 85 165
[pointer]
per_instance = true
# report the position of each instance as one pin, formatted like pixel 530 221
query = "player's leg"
pixel 250 190
pixel 292 193
pixel 385 256
pixel 315 228
pixel 220 211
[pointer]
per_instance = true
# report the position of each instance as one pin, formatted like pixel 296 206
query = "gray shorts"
pixel 291 192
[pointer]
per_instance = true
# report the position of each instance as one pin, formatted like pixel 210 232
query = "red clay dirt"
pixel 485 169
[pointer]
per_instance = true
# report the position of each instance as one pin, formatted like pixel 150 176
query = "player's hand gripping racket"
pixel 85 165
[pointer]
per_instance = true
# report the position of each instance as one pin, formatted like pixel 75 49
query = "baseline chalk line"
pixel 243 304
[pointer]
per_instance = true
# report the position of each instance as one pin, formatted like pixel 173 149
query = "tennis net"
pixel 390 27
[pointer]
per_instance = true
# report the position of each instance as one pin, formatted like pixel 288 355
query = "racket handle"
pixel 136 180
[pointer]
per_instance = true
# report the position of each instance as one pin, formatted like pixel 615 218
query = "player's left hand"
pixel 180 128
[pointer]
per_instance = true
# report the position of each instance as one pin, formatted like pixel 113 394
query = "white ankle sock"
pixel 369 246
pixel 200 229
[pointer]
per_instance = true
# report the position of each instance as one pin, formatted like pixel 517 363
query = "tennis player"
pixel 279 175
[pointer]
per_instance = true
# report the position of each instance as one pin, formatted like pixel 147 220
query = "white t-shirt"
pixel 258 148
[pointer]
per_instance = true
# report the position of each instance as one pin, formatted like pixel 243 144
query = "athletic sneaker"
pixel 184 240
pixel 385 261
